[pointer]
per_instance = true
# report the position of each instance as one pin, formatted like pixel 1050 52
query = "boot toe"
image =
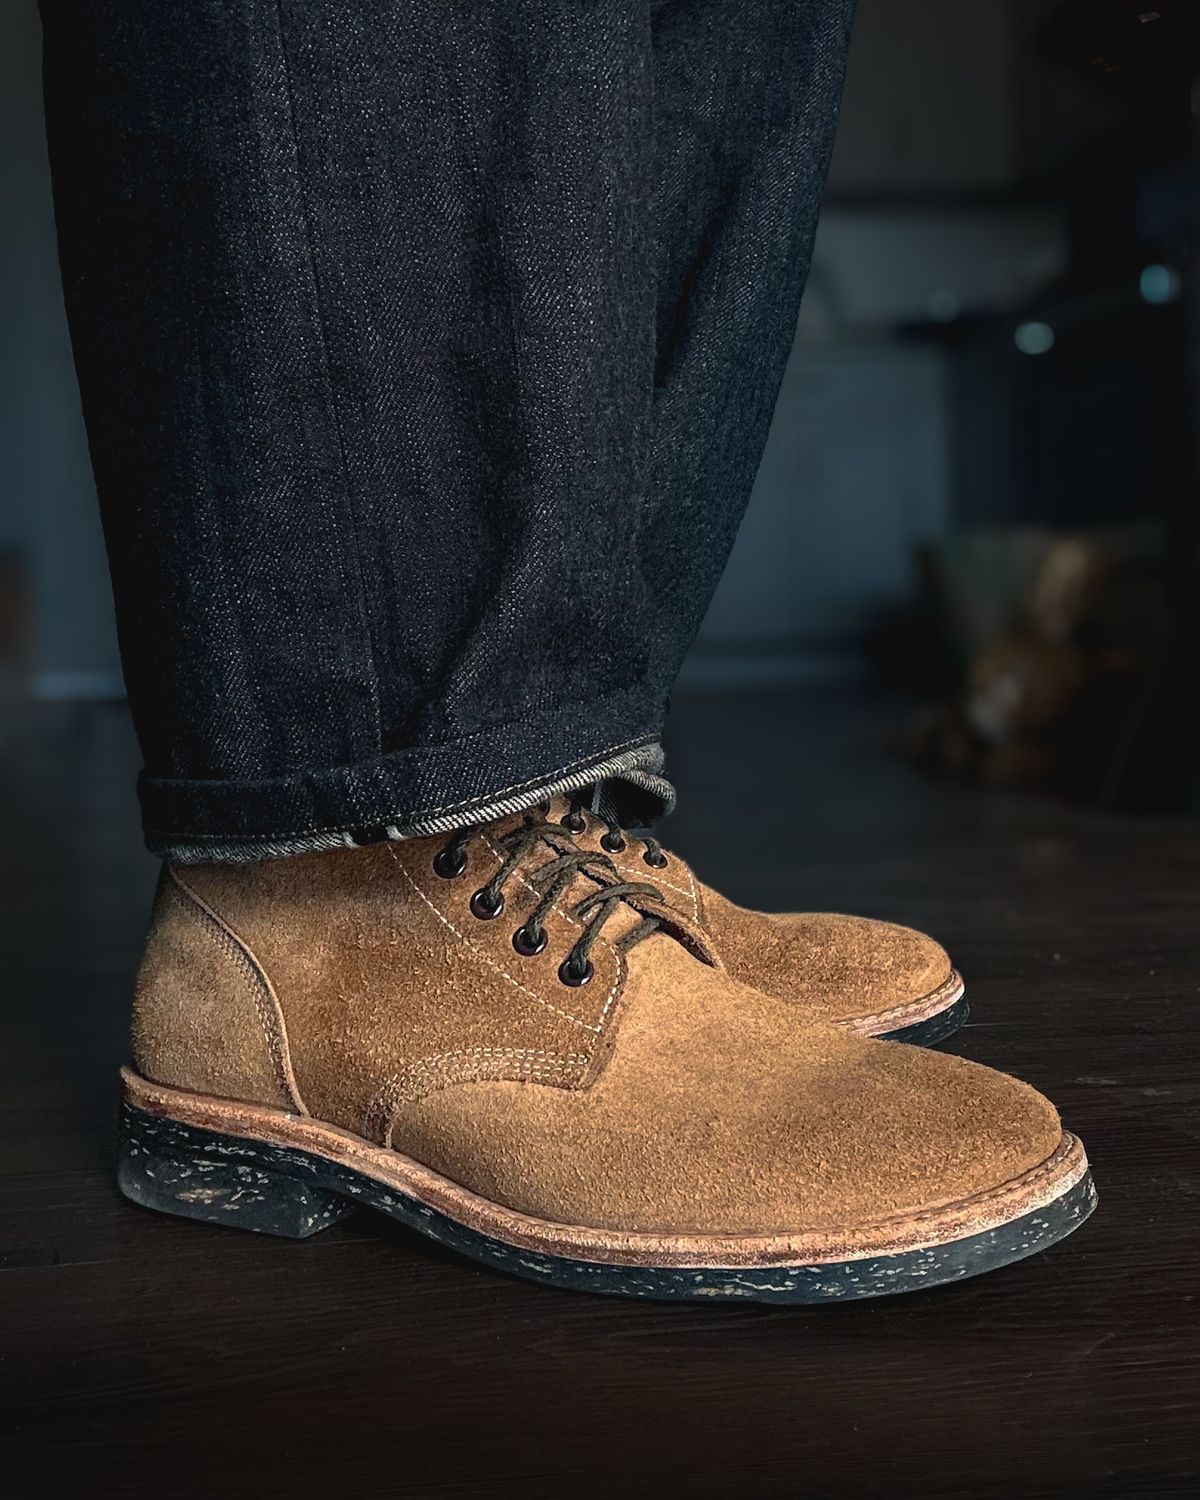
pixel 852 970
pixel 903 1131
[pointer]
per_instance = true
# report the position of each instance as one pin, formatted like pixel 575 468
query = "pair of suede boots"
pixel 546 1044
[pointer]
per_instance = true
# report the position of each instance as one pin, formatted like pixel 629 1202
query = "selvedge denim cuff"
pixel 407 793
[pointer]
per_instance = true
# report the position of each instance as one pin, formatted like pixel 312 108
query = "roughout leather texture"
pixel 840 968
pixel 662 1096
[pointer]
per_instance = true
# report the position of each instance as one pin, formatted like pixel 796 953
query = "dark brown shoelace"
pixel 551 880
pixel 615 838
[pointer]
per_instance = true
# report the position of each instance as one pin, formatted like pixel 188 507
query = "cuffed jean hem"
pixel 407 794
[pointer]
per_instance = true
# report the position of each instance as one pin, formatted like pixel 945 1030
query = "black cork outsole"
pixel 232 1180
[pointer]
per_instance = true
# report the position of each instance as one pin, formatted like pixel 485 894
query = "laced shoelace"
pixel 551 880
pixel 615 838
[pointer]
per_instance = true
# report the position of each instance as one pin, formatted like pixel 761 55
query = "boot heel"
pixel 221 1179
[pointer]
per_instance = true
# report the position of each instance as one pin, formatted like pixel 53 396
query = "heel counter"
pixel 205 1017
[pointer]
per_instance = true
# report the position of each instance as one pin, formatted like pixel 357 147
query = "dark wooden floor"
pixel 142 1355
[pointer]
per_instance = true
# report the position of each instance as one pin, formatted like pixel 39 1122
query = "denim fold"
pixel 407 794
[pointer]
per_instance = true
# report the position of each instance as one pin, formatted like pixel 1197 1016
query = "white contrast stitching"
pixel 266 1002
pixel 656 879
pixel 405 1087
pixel 575 922
pixel 491 963
pixel 566 915
pixel 695 894
pixel 692 894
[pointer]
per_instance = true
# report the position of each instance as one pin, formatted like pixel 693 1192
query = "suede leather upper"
pixel 845 969
pixel 662 1096
pixel 716 1114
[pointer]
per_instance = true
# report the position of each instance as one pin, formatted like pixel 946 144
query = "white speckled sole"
pixel 262 1169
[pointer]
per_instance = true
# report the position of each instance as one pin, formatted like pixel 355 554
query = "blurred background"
pixel 977 514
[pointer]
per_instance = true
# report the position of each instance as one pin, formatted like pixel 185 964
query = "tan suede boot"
pixel 491 1038
pixel 874 978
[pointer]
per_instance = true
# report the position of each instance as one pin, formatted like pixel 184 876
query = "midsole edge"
pixel 948 993
pixel 1033 1190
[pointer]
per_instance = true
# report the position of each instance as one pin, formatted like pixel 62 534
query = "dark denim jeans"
pixel 427 350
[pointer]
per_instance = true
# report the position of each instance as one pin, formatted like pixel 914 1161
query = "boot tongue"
pixel 599 801
pixel 636 800
pixel 604 804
